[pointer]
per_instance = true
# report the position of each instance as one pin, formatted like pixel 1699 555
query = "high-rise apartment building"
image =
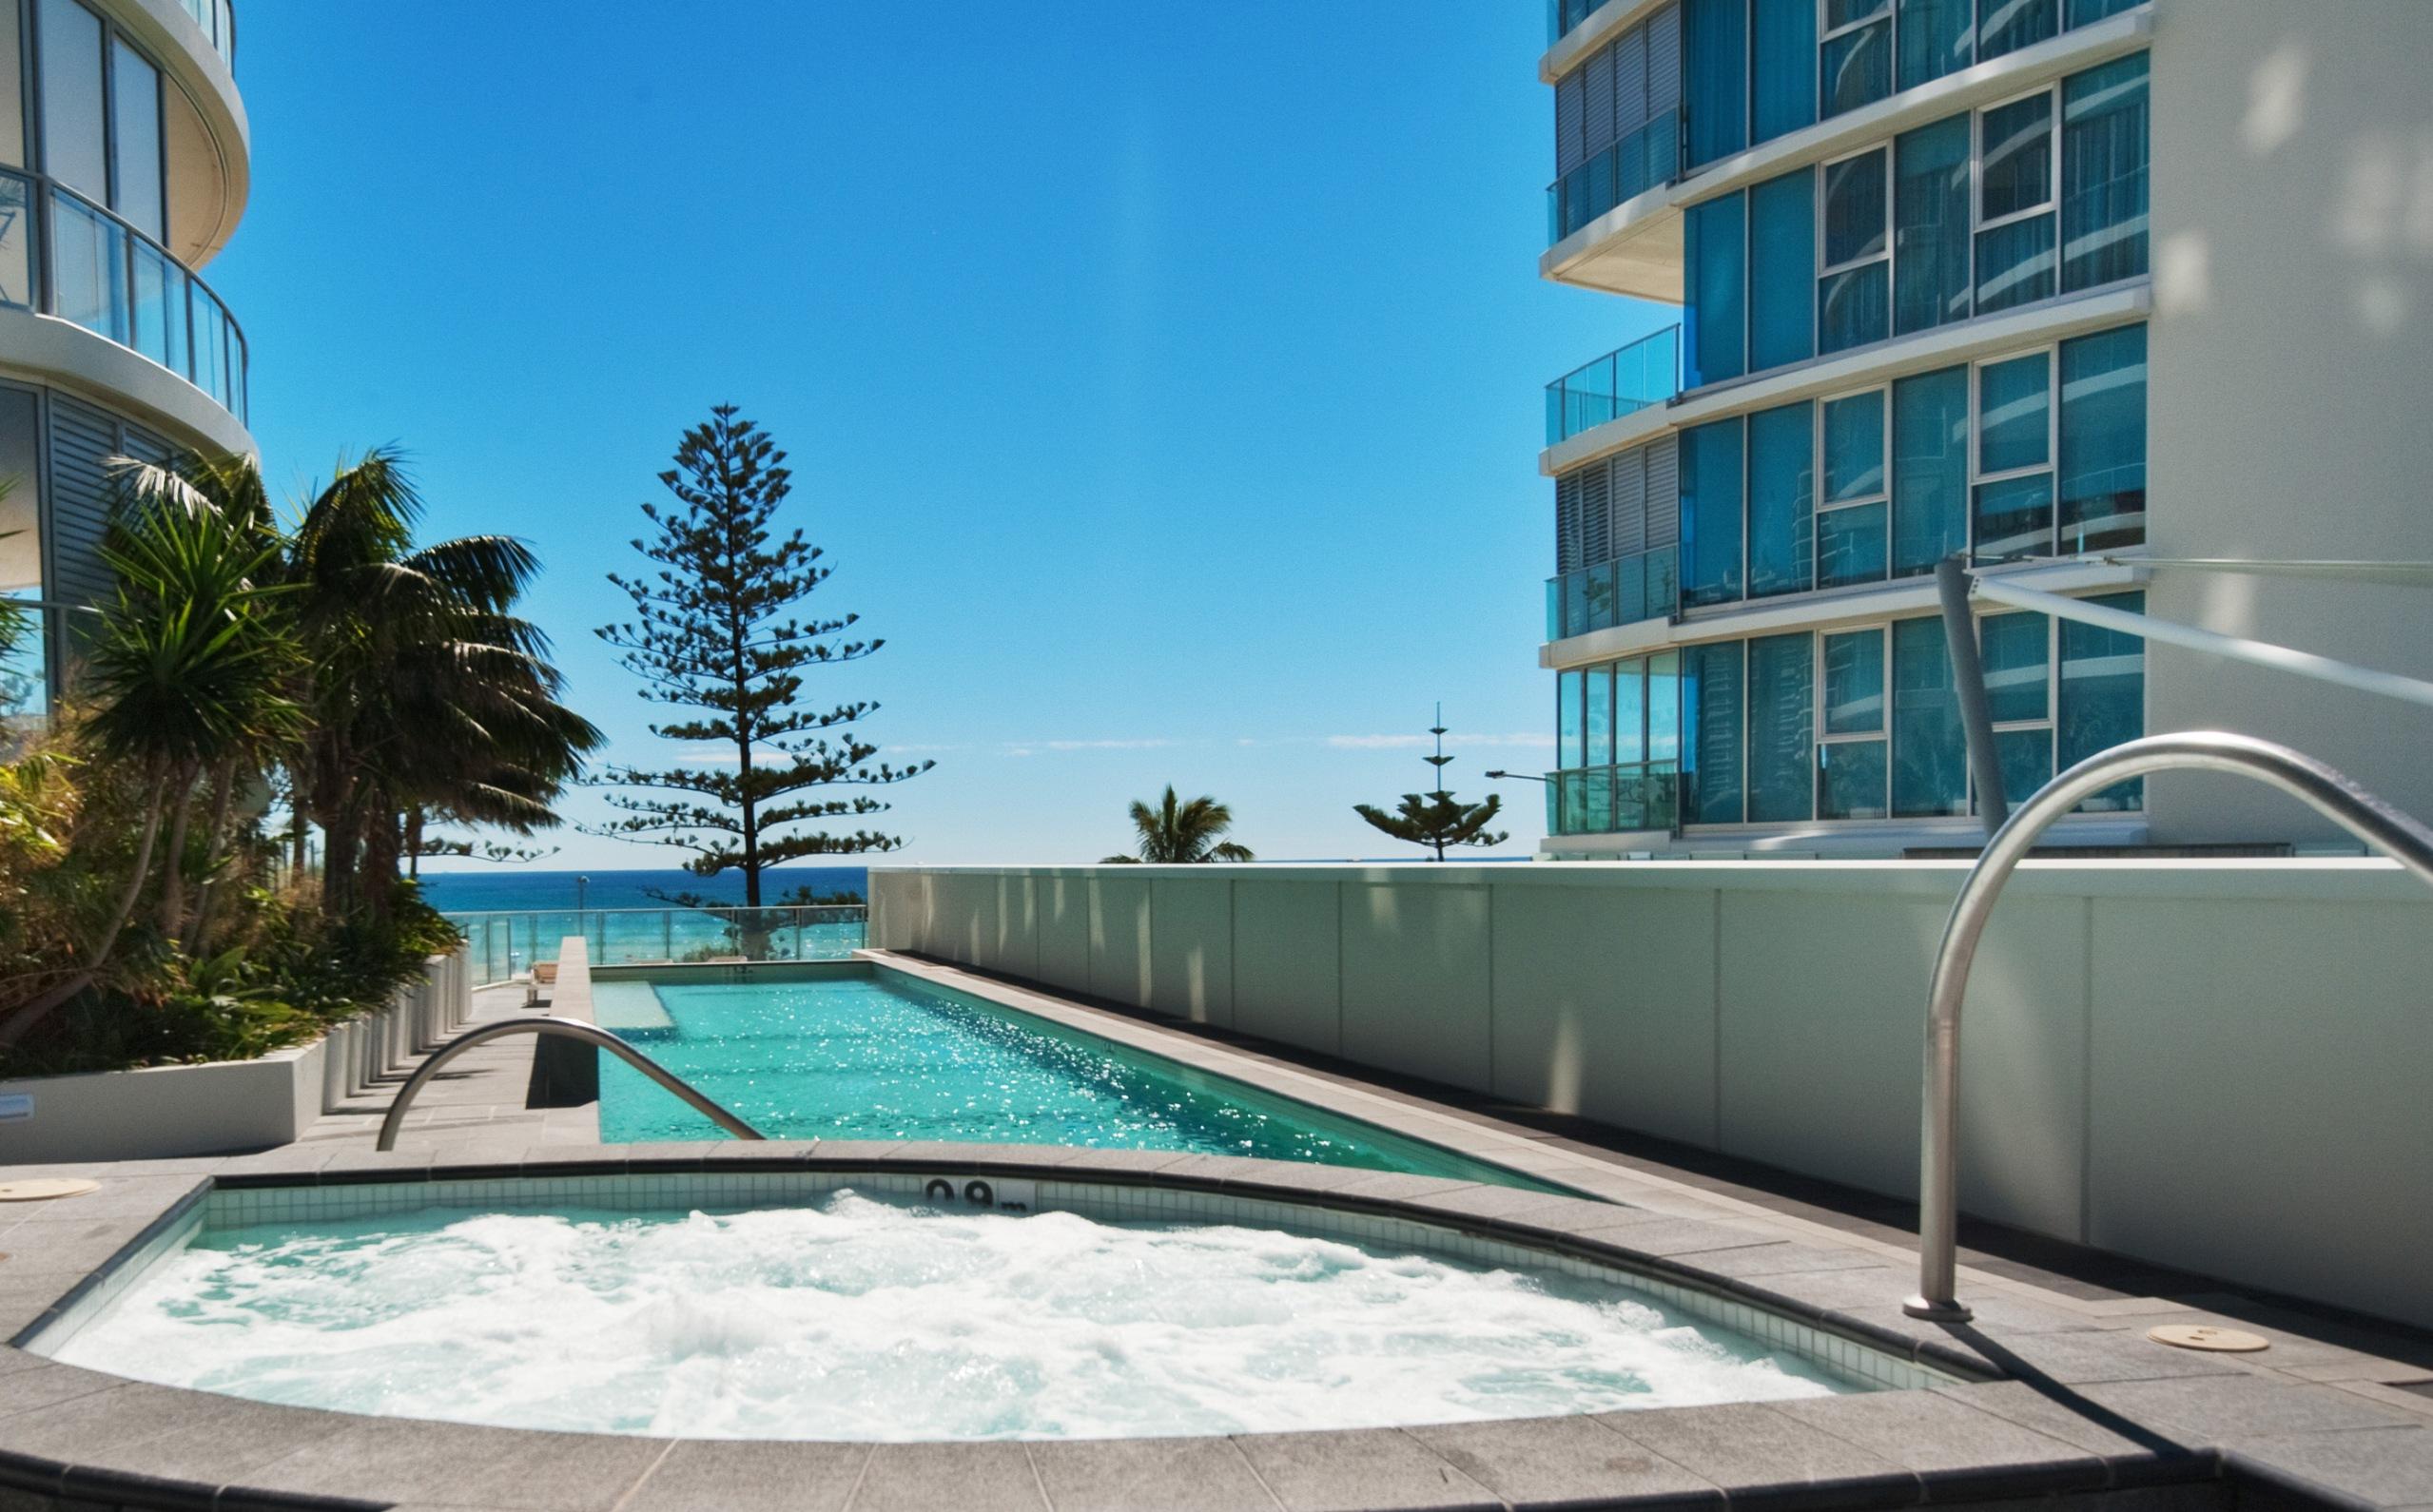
pixel 2088 292
pixel 124 168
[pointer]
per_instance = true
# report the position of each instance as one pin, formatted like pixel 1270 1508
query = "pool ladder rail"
pixel 2321 788
pixel 567 1028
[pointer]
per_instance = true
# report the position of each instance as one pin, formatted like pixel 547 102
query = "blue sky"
pixel 1164 388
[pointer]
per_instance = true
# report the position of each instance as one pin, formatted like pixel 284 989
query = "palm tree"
pixel 1177 833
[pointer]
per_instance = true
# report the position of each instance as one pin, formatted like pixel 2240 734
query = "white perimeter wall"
pixel 2217 1065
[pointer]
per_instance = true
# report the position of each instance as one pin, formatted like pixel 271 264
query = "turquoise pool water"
pixel 876 1056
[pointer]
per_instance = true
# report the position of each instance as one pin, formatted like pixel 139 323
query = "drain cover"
pixel 46 1189
pixel 2205 1336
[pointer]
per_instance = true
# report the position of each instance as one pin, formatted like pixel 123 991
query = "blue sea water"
pixel 497 888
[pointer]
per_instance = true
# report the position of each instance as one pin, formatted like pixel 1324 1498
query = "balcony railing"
pixel 1646 371
pixel 27 631
pixel 507 944
pixel 1621 591
pixel 104 275
pixel 1613 800
pixel 218 22
pixel 1562 16
pixel 1645 159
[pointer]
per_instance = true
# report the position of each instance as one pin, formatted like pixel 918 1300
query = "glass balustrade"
pixel 1613 800
pixel 27 633
pixel 119 285
pixel 505 945
pixel 1646 158
pixel 1646 371
pixel 218 22
pixel 1621 591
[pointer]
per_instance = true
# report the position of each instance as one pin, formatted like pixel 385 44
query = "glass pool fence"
pixel 507 945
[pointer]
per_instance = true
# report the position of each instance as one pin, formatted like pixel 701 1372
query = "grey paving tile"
pixel 1115 1475
pixel 2226 1409
pixel 963 1477
pixel 743 1476
pixel 397 1459
pixel 2076 1359
pixel 1565 1462
pixel 2133 1453
pixel 2384 1467
pixel 28 1390
pixel 1956 1451
pixel 1393 1186
pixel 160 1430
pixel 1761 1457
pixel 1786 1258
pixel 1664 1238
pixel 1363 1468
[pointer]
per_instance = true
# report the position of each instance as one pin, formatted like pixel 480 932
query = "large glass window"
pixel 2102 699
pixel 1717 232
pixel 1930 470
pixel 12 98
pixel 2006 25
pixel 1781 728
pixel 1854 287
pixel 2015 192
pixel 2104 137
pixel 1782 500
pixel 1856 61
pixel 1930 750
pixel 1782 250
pixel 1711 710
pixel 16 240
pixel 23 678
pixel 1631 711
pixel 1597 721
pixel 2103 440
pixel 73 131
pixel 2014 498
pixel 1931 226
pixel 1711 504
pixel 1783 66
pixel 2085 12
pixel 1851 768
pixel 1937 37
pixel 1570 729
pixel 2015 650
pixel 135 137
pixel 1715 77
pixel 1850 525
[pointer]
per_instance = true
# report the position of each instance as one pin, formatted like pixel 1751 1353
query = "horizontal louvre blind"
pixel 1630 81
pixel 1599 130
pixel 82 440
pixel 1663 61
pixel 1571 147
pixel 1566 523
pixel 1663 493
pixel 1596 517
pixel 1630 503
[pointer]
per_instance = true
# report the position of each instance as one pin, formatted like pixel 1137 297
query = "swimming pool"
pixel 850 1306
pixel 860 1052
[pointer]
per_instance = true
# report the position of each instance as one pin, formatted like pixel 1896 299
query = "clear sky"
pixel 1164 387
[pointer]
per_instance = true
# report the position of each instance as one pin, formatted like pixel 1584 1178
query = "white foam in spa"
pixel 861 1319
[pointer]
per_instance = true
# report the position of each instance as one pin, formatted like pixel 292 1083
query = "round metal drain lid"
pixel 2205 1336
pixel 45 1189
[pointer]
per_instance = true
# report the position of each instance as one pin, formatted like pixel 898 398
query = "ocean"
pixel 503 888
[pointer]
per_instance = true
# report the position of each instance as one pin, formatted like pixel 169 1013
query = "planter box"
pixel 223 1107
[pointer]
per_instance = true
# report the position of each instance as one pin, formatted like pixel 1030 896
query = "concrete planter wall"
pixel 228 1106
pixel 2219 1065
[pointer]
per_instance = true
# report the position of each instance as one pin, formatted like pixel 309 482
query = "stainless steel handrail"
pixel 2311 782
pixel 572 1029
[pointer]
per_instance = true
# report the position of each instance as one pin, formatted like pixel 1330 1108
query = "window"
pixel 1597 719
pixel 1715 77
pixel 1855 277
pixel 1851 767
pixel 1782 500
pixel 1779 727
pixel 1718 280
pixel 2015 191
pixel 1783 66
pixel 2102 699
pixel 1711 708
pixel 1937 37
pixel 2014 498
pixel 1931 226
pixel 2104 127
pixel 1929 749
pixel 2006 25
pixel 1930 470
pixel 2015 651
pixel 12 99
pixel 137 192
pixel 1856 61
pixel 2103 440
pixel 73 131
pixel 1570 732
pixel 1782 250
pixel 2086 12
pixel 1851 512
pixel 1711 504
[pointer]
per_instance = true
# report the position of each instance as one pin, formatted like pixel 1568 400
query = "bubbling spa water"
pixel 854 1317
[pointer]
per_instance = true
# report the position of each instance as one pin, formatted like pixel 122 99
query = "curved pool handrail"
pixel 2319 786
pixel 571 1029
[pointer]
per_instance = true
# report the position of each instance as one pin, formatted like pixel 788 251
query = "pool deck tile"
pixel 1766 1458
pixel 1119 1474
pixel 1536 1462
pixel 1957 1452
pixel 1361 1469
pixel 2230 1410
pixel 955 1477
pixel 400 1459
pixel 742 1475
pixel 2131 1454
pixel 2376 1466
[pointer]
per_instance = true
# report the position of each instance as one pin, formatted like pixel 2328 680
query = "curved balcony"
pixel 63 255
pixel 1646 371
pixel 217 21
